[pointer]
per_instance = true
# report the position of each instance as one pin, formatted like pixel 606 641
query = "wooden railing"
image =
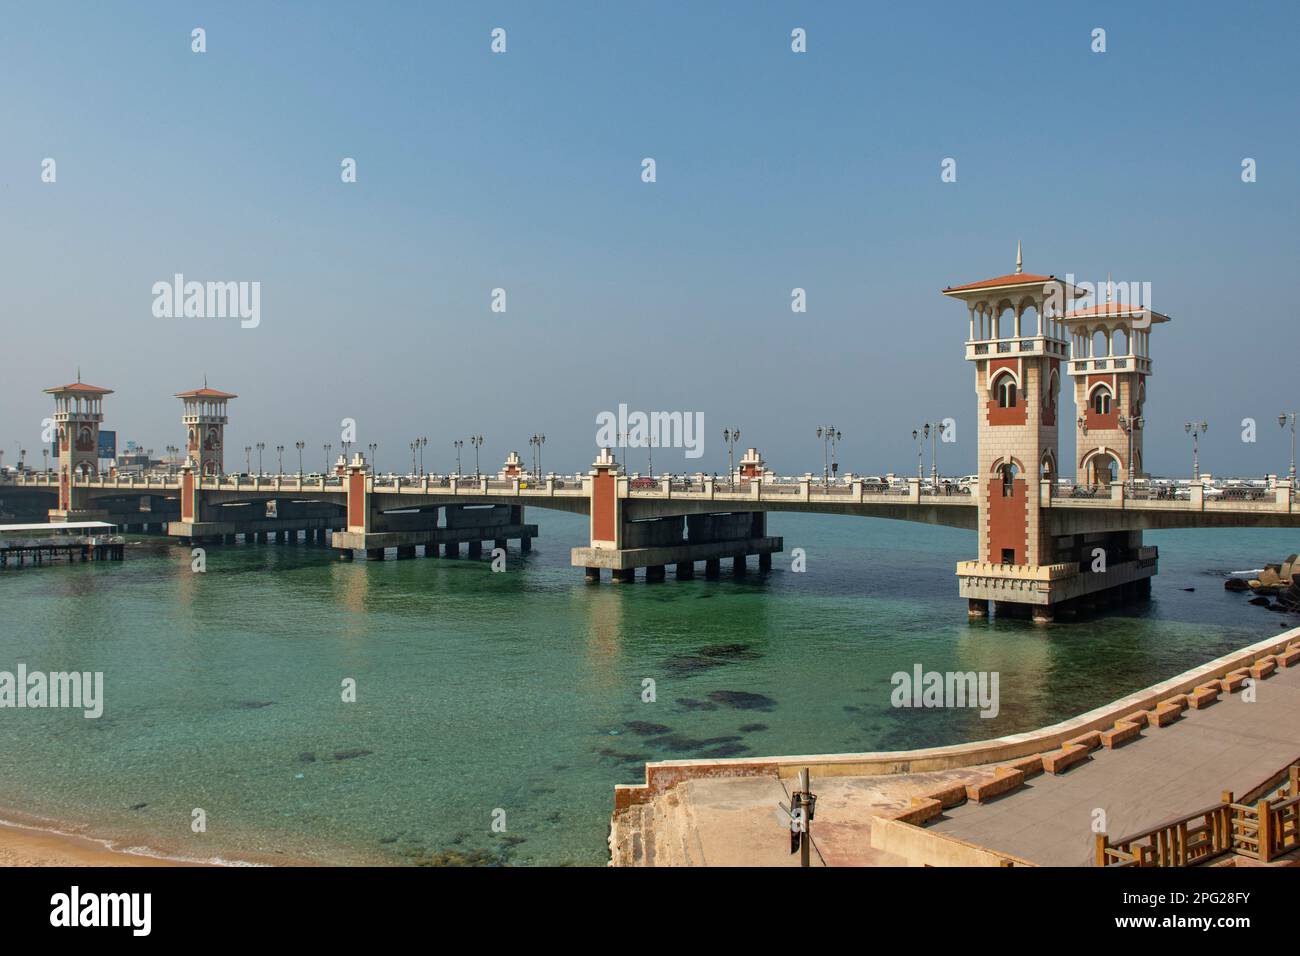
pixel 1262 829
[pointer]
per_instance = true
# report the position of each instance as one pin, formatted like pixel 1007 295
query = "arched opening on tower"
pixel 1100 344
pixel 1008 473
pixel 1101 400
pixel 1004 390
pixel 1119 339
pixel 1102 470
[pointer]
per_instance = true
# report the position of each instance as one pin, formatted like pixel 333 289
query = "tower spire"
pixel 1020 263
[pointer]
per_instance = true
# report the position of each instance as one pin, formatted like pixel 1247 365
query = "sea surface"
pixel 494 712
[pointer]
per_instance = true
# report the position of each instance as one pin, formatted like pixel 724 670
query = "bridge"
pixel 1047 545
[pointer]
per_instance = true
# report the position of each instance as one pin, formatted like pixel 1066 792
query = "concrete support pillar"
pixel 685 570
pixel 712 568
pixel 738 566
pixel 451 549
pixel 228 539
pixel 476 549
pixel 500 543
pixel 405 551
pixel 431 549
pixel 374 554
pixel 654 574
pixel 765 561
pixel 261 537
pixel 623 575
pixel 591 575
pixel 525 544
pixel 976 607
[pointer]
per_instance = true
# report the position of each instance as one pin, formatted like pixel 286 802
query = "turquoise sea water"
pixel 521 692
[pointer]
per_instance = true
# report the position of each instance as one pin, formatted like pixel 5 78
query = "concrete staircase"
pixel 659 833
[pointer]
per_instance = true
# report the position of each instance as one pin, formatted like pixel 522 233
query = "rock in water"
pixel 742 700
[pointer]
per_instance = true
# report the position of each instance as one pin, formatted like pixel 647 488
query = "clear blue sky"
pixel 522 171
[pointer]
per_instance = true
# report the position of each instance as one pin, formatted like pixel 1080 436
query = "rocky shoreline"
pixel 1277 587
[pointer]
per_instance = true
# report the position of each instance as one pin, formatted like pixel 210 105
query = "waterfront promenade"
pixel 963 804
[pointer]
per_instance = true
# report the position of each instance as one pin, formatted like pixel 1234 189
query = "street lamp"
pixel 1196 430
pixel 458 444
pixel 412 447
pixel 248 459
pixel 374 454
pixel 1281 420
pixel 419 446
pixel 830 436
pixel 931 431
pixel 260 446
pixel 731 436
pixel 300 445
pixel 537 441
pixel 919 436
pixel 279 466
pixel 328 448
pixel 477 442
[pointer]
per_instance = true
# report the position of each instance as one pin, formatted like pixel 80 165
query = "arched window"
pixel 1004 388
pixel 1101 401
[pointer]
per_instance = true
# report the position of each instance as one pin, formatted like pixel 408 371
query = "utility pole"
pixel 803 803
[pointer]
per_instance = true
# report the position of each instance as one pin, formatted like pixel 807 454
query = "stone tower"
pixel 1110 364
pixel 78 413
pixel 205 421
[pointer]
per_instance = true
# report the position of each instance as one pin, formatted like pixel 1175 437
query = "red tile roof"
pixel 205 392
pixel 81 388
pixel 1015 278
pixel 1114 309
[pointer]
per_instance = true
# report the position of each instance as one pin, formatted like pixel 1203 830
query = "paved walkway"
pixel 1231 745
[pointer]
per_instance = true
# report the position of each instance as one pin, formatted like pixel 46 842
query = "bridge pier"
pixel 622 542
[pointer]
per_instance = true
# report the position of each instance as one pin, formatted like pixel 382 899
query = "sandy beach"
pixel 31 846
